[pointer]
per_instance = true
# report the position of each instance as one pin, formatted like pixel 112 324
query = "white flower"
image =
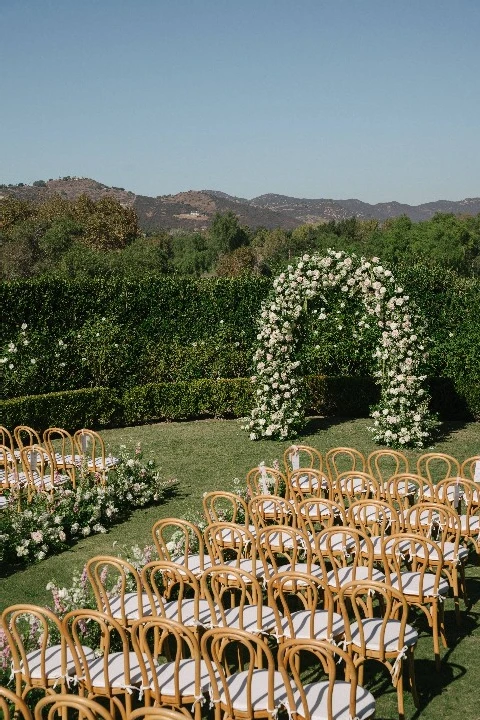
pixel 33 361
pixel 24 326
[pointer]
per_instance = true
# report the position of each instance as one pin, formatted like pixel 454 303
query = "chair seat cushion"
pixel 194 563
pixel 130 604
pixel 346 574
pixel 317 701
pixel 259 691
pixel 172 678
pixel 185 611
pixel 255 618
pixel 52 662
pixel 302 628
pixel 372 629
pixel 409 584
pixel 116 671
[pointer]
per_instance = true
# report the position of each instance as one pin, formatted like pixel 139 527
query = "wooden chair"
pixel 20 709
pixel 380 632
pixel 282 548
pixel 313 514
pixel 235 598
pixel 264 480
pixel 470 468
pixel 385 463
pixel 74 707
pixel 301 456
pixel 174 593
pixel 39 470
pixel 375 518
pixel 308 482
pixel 441 522
pixel 11 481
pixel 91 449
pixel 303 607
pixel 352 486
pixel 155 713
pixel 437 466
pixel 223 506
pixel 172 671
pixel 181 542
pixel 6 440
pixel 245 683
pixel 270 510
pixel 408 568
pixel 344 459
pixel 50 664
pixel 25 435
pixel 463 496
pixel 118 589
pixel 406 489
pixel 61 446
pixel 233 545
pixel 108 669
pixel 331 698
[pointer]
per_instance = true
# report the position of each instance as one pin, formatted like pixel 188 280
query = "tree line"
pixel 82 238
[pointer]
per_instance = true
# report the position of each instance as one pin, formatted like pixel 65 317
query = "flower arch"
pixel 402 417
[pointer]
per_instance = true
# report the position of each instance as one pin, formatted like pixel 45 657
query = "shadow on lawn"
pixel 318 424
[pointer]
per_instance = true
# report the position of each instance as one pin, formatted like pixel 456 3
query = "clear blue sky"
pixel 373 99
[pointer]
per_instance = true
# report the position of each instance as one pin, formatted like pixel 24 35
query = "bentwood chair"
pixel 328 698
pixel 244 681
pixel 90 447
pixel 60 444
pixel 74 707
pixel 39 470
pixel 233 545
pixel 470 468
pixel 385 463
pixel 163 713
pixel 25 435
pixel 298 457
pixel 264 480
pixel 344 459
pixel 224 506
pixel 181 541
pixel 464 497
pixel 308 482
pixel 12 707
pixel 380 632
pixel 437 466
pixel 270 510
pixel 375 518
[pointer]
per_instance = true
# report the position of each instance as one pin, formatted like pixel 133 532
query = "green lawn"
pixel 207 455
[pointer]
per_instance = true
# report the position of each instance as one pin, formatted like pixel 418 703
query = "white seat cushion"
pixel 193 563
pixel 301 621
pixel 449 554
pixel 317 699
pixel 53 662
pixel 184 612
pixel 346 574
pixel 169 680
pixel 130 603
pixel 116 671
pixel 311 569
pixel 259 691
pixel 251 622
pixel 470 522
pixel 372 628
pixel 410 584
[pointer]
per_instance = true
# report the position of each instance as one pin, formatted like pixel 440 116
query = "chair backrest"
pixel 435 521
pixel 159 638
pixel 313 514
pixel 25 435
pixel 268 509
pixel 323 657
pixel 166 582
pixel 227 651
pixel 311 595
pixel 74 707
pixel 163 713
pixel 112 578
pixel 176 539
pixel 29 627
pixel 338 547
pixel 385 463
pixel 20 709
pixel 8 469
pixel 308 482
pixel 93 630
pixel 60 442
pixel 459 493
pixel 220 505
pixel 263 480
pixel 437 466
pixel 355 485
pixel 90 446
pixel 225 587
pixel 6 438
pixel 344 459
pixel 301 456
pixel 406 489
pixel 370 599
pixel 374 517
pixel 470 468
pixel 281 544
pixel 405 553
pixel 38 466
pixel 228 542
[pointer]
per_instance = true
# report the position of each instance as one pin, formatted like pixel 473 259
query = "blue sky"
pixel 373 99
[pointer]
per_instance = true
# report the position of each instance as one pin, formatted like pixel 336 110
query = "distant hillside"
pixel 193 210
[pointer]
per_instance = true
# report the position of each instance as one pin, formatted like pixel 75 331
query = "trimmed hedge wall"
pixel 126 334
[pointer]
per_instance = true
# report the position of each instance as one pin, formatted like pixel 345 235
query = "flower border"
pixel 402 417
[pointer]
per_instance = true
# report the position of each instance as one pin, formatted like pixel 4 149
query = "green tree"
pixel 226 233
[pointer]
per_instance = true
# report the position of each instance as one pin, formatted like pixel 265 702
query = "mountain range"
pixel 194 209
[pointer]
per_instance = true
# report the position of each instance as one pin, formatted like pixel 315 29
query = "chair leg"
pixel 400 701
pixel 411 676
pixel 435 610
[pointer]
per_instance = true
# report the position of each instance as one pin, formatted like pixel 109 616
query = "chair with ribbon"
pixel 406 489
pixel 172 670
pixel 333 694
pixel 304 607
pixel 175 594
pixel 344 459
pixel 354 485
pixel 437 466
pixel 375 518
pixel 74 707
pixel 470 468
pixel 90 447
pixel 12 707
pixel 464 497
pixel 181 541
pixel 235 597
pixel 263 480
pixel 282 548
pixel 298 457
pixel 39 469
pixel 308 482
pixel 60 444
pixel 233 545
pixel 441 523
pixel 244 681
pixel 105 667
pixel 50 663
pixel 118 589
pixel 385 463
pixel 409 569
pixel 379 631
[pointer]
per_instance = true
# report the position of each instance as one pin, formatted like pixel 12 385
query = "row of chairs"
pixel 34 464
pixel 382 463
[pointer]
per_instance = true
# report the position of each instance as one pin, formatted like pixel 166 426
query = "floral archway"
pixel 402 417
